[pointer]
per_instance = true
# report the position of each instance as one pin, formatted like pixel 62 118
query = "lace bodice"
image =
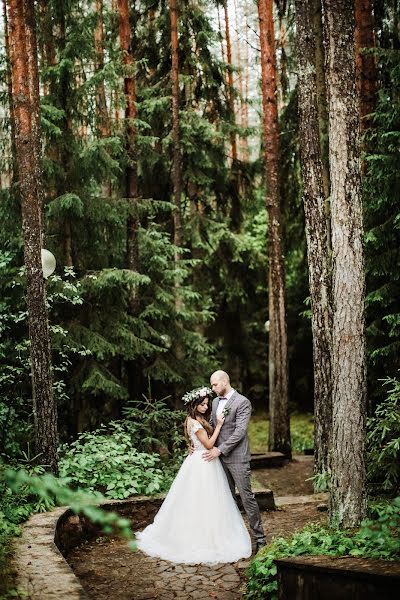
pixel 194 426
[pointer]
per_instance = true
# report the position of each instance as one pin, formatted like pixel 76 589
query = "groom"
pixel 232 446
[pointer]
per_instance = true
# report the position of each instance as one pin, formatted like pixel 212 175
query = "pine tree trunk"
pixel 283 84
pixel 348 494
pixel 131 145
pixel 25 85
pixel 319 259
pixel 223 57
pixel 102 118
pixel 231 98
pixel 14 175
pixel 279 437
pixel 365 63
pixel 322 106
pixel 176 162
pixel 242 139
pixel 47 49
pixel 245 145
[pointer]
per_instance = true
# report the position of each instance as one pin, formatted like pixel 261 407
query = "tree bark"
pixel 14 175
pixel 365 63
pixel 176 162
pixel 25 85
pixel 279 437
pixel 319 258
pixel 231 98
pixel 245 143
pixel 322 106
pixel 348 494
pixel 103 121
pixel 241 103
pixel 131 145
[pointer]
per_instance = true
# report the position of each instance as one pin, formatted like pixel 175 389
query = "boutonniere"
pixel 226 411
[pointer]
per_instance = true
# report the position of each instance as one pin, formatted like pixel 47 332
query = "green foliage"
pixel 106 460
pixel 382 216
pixel 383 442
pixel 377 537
pixel 27 489
pixel 154 427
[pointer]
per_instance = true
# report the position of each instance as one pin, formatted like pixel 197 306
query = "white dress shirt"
pixel 222 403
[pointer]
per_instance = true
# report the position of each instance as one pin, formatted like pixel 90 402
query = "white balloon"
pixel 48 263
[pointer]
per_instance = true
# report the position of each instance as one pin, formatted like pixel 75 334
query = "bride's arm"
pixel 203 437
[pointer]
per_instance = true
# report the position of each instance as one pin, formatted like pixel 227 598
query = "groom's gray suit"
pixel 233 444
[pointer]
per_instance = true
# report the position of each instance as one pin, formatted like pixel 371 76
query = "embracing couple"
pixel 199 521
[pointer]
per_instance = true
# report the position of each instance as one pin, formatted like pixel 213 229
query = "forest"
pixel 219 184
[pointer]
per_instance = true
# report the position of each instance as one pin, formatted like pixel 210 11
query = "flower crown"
pixel 196 394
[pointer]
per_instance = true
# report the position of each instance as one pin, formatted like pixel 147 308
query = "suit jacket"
pixel 232 440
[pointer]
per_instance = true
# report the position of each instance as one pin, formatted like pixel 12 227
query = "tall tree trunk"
pixel 102 118
pixel 365 63
pixel 131 145
pixel 47 48
pixel 245 123
pixel 239 79
pixel 279 437
pixel 322 106
pixel 231 98
pixel 14 175
pixel 348 494
pixel 176 162
pixel 319 258
pixel 223 58
pixel 25 85
pixel 283 84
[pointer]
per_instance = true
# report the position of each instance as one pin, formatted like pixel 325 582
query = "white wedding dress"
pixel 199 521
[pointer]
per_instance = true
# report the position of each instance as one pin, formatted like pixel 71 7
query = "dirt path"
pixel 108 570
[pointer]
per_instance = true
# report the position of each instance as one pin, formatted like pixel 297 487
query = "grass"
pixel 301 426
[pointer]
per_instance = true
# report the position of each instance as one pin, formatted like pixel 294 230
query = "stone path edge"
pixel 42 572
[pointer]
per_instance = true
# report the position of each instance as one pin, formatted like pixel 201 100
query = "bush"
pixel 29 490
pixel 106 460
pixel 376 538
pixel 383 442
pixel 154 427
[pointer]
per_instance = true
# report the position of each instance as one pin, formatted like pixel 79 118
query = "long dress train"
pixel 199 521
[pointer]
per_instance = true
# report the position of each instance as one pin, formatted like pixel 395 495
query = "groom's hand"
pixel 211 454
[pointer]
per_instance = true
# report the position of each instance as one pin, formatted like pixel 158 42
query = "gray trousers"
pixel 239 474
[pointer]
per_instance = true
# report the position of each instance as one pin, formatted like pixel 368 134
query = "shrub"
pixel 154 427
pixel 29 490
pixel 376 538
pixel 383 442
pixel 106 460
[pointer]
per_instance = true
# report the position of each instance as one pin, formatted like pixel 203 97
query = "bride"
pixel 199 521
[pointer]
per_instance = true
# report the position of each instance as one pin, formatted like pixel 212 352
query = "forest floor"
pixel 108 570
